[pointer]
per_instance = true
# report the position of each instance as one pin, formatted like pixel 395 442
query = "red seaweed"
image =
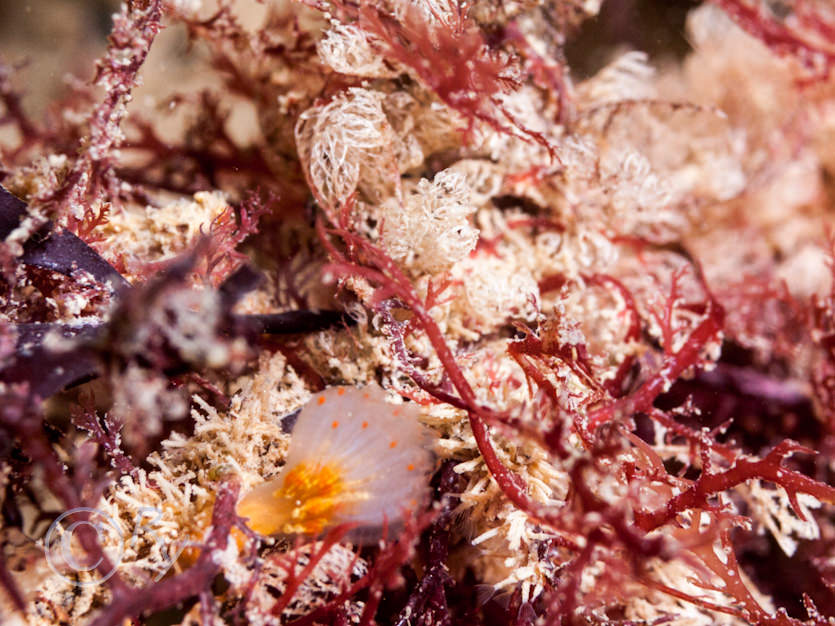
pixel 701 390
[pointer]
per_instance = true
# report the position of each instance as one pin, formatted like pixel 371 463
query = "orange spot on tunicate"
pixel 340 391
pixel 335 424
pixel 396 412
pixel 320 400
pixel 393 444
pixel 306 501
pixel 366 396
pixel 410 467
pixel 315 491
pixel 365 424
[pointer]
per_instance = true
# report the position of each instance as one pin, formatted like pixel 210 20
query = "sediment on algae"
pixel 590 256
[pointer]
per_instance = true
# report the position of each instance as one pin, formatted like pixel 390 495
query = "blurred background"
pixel 49 39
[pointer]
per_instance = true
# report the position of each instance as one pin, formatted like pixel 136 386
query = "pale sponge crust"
pixel 354 458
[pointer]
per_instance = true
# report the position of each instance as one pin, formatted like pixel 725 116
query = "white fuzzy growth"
pixel 431 230
pixel 338 141
pixel 354 432
pixel 491 293
pixel 629 77
pixel 346 48
pixel 772 508
pixel 186 8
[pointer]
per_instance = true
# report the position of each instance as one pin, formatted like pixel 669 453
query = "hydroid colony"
pixel 593 316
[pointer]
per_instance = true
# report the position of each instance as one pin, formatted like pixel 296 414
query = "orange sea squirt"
pixel 304 501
